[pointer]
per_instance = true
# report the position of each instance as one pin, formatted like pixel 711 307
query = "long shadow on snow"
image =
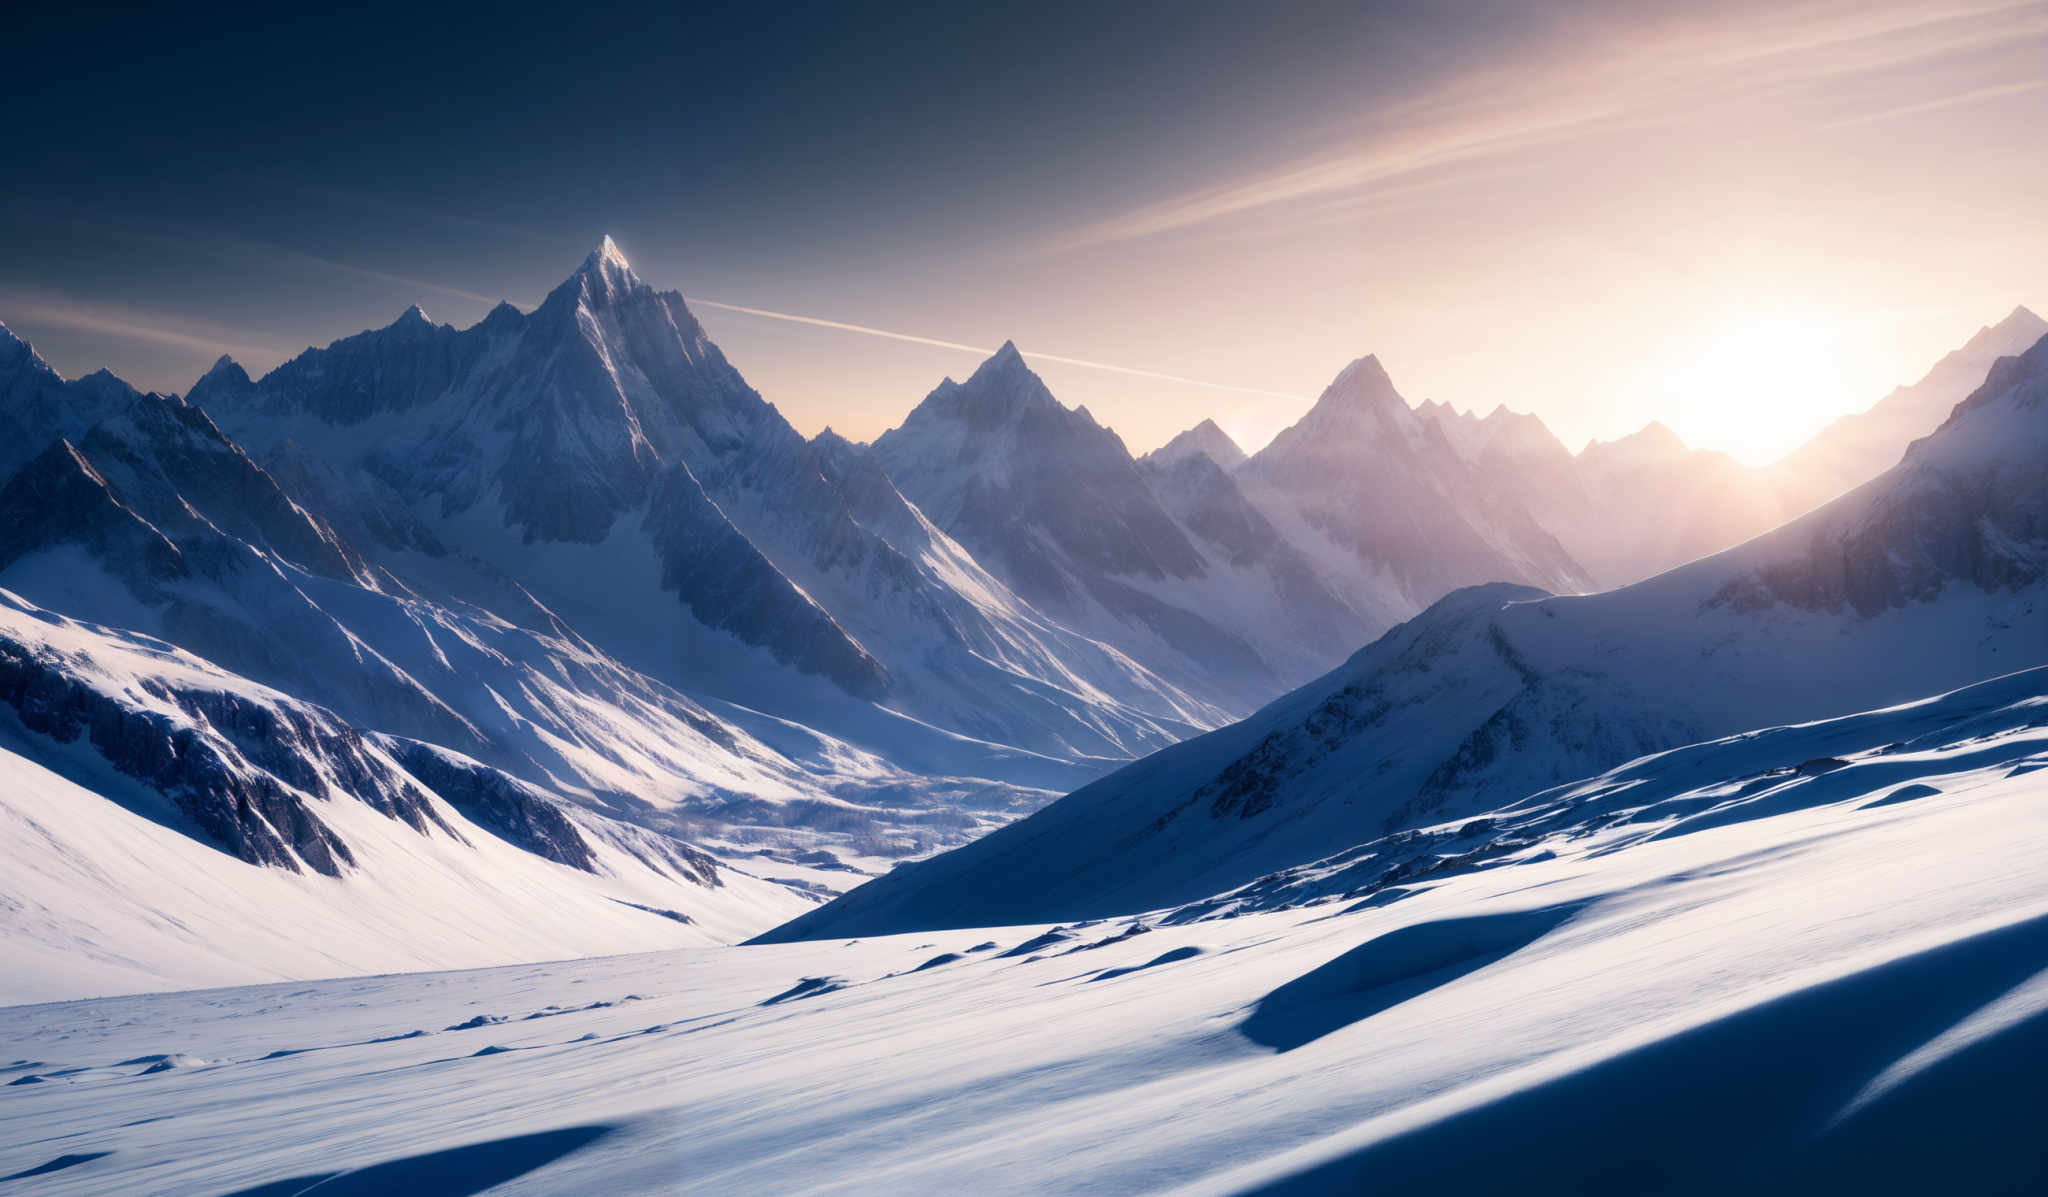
pixel 1390 969
pixel 1753 1102
pixel 455 1172
pixel 1856 780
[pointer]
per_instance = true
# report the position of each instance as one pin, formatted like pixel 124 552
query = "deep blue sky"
pixel 1249 194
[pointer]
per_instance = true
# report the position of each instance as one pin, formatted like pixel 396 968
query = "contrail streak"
pixel 976 349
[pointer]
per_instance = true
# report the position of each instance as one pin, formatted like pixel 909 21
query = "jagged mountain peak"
pixel 1520 434
pixel 1654 439
pixel 17 354
pixel 504 314
pixel 1360 401
pixel 1000 390
pixel 1205 439
pixel 225 372
pixel 1360 406
pixel 604 278
pixel 2022 317
pixel 2007 376
pixel 1364 380
pixel 2020 325
pixel 1006 366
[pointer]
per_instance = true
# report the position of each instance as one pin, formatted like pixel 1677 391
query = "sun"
pixel 1757 386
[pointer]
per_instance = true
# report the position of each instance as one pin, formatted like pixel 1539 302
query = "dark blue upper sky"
pixel 1249 194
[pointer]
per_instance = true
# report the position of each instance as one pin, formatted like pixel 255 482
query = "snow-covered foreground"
pixel 1811 954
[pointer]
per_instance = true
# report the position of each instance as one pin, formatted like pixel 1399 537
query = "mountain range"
pixel 558 601
pixel 1933 575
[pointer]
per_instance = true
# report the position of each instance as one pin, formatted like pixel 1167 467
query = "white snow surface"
pixel 1809 959
pixel 111 887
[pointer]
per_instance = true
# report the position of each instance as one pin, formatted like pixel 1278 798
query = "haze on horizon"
pixel 1743 219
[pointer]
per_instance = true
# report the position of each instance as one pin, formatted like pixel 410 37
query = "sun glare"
pixel 1758 386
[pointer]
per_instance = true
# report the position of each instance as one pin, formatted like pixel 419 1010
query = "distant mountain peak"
pixel 1363 383
pixel 1654 439
pixel 1205 439
pixel 1004 360
pixel 225 372
pixel 2021 323
pixel 1000 387
pixel 414 314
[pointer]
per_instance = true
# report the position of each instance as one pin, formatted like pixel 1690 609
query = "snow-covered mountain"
pixel 1858 447
pixel 153 521
pixel 1636 506
pixel 1625 509
pixel 600 455
pixel 1656 503
pixel 1389 510
pixel 1931 576
pixel 169 822
pixel 1205 439
pixel 1163 559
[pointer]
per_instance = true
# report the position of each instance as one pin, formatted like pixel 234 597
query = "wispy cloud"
pixel 29 309
pixel 1972 96
pixel 981 351
pixel 397 280
pixel 1638 81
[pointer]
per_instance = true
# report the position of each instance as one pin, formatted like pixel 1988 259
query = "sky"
pixel 1740 218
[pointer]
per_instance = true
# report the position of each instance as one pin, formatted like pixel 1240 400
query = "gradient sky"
pixel 1742 218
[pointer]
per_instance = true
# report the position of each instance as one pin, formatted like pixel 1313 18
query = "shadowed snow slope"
pixel 1836 993
pixel 171 824
pixel 1928 577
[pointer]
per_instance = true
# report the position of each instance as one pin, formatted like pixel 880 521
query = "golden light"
pixel 1758 386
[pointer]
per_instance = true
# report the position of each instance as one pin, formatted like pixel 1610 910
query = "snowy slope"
pixel 1837 987
pixel 169 823
pixel 1164 559
pixel 1931 576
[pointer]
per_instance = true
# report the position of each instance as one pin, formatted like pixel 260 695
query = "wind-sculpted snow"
pixel 1744 965
pixel 1927 578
